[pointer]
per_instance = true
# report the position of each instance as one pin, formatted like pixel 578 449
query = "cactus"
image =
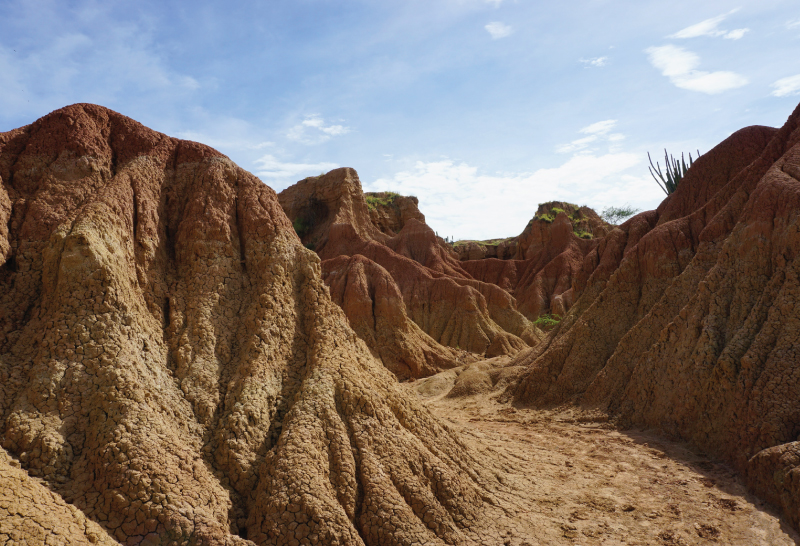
pixel 675 171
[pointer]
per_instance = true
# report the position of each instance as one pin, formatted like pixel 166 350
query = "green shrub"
pixel 547 321
pixel 614 215
pixel 301 227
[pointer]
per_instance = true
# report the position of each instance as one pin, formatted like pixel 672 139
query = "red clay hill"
pixel 174 371
pixel 687 318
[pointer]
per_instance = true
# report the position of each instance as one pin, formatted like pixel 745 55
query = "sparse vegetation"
pixel 675 171
pixel 383 199
pixel 574 214
pixel 488 242
pixel 301 227
pixel 547 321
pixel 614 215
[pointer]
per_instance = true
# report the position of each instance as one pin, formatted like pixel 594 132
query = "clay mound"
pixel 374 306
pixel 686 320
pixel 171 363
pixel 553 253
pixel 440 297
pixel 31 513
pixel 502 249
pixel 536 237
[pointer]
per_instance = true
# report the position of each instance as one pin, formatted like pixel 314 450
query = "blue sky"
pixel 481 108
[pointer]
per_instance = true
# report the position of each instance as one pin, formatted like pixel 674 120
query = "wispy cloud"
pixel 680 66
pixel 597 61
pixel 270 167
pixel 599 128
pixel 785 87
pixel 710 27
pixel 498 30
pixel 313 130
pixel 453 194
pixel 597 132
pixel 794 23
pixel 495 3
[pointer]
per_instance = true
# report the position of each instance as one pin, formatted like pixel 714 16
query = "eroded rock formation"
pixel 549 254
pixel 686 317
pixel 440 299
pixel 390 211
pixel 172 366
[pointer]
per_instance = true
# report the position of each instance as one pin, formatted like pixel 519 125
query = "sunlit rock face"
pixel 174 371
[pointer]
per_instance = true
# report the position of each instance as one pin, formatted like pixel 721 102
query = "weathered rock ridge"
pixel 686 318
pixel 173 369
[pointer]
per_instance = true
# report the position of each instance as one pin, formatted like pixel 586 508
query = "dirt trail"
pixel 566 478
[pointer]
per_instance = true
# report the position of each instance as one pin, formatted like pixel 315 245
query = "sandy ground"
pixel 565 478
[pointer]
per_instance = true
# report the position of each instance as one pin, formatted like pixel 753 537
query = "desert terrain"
pixel 189 357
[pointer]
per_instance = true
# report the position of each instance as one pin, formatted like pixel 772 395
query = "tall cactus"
pixel 675 171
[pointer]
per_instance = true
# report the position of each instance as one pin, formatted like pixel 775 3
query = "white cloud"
pixel 599 128
pixel 794 23
pixel 679 65
pixel 787 86
pixel 709 27
pixel 495 3
pixel 271 167
pixel 458 200
pixel 736 34
pixel 576 145
pixel 597 61
pixel 313 130
pixel 597 132
pixel 498 30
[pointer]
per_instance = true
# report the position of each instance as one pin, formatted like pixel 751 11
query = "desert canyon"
pixel 189 357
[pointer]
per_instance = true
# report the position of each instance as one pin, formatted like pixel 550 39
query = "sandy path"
pixel 563 479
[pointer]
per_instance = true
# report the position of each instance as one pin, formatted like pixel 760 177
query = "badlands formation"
pixel 187 357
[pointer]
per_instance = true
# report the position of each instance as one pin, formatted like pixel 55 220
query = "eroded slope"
pixel 171 363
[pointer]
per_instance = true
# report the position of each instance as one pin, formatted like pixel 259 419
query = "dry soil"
pixel 566 477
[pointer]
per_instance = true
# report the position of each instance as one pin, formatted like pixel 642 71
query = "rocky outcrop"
pixel 375 308
pixel 542 282
pixel 172 365
pixel 537 235
pixel 686 317
pixel 440 297
pixel 32 514
pixel 502 249
pixel 390 211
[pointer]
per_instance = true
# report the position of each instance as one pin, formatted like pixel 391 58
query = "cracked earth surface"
pixel 571 479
